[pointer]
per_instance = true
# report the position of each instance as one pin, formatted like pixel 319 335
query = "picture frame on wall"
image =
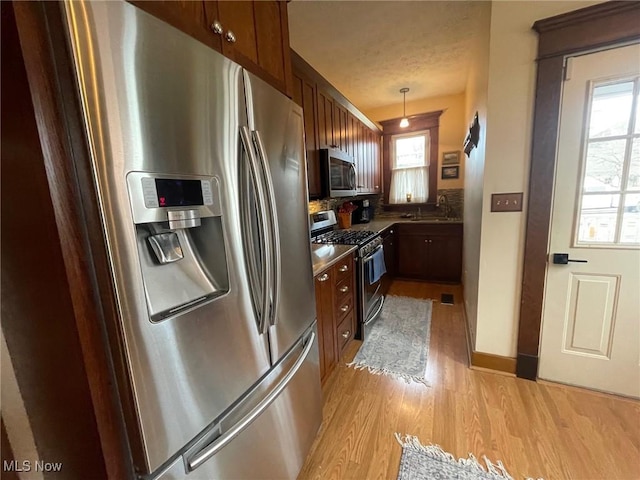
pixel 449 173
pixel 451 158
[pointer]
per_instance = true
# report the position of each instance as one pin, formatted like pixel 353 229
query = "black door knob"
pixel 563 259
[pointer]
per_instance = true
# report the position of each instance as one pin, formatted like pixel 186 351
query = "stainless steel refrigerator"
pixel 200 172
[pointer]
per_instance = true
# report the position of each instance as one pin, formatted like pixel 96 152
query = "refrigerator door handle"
pixel 219 443
pixel 263 298
pixel 275 233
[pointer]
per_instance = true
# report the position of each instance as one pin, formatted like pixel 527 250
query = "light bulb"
pixel 404 123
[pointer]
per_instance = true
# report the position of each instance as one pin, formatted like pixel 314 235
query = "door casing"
pixel 591 28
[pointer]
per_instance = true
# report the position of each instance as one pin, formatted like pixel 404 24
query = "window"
pixel 410 161
pixel 609 213
pixel 410 168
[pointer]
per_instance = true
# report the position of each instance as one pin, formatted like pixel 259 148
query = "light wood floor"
pixel 536 429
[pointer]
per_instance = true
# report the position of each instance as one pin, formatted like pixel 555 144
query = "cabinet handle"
pixel 430 241
pixel 324 277
pixel 344 308
pixel 230 37
pixel 216 27
pixel 377 186
pixel 346 334
pixel 391 231
pixel 343 268
pixel 344 289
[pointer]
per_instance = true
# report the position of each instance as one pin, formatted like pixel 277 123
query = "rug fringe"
pixel 384 371
pixel 435 451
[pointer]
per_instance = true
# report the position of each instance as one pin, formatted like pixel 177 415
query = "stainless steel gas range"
pixel 368 276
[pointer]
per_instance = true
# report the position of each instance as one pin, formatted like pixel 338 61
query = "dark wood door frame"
pixel 598 26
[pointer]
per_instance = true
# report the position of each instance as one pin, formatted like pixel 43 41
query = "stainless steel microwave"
pixel 338 173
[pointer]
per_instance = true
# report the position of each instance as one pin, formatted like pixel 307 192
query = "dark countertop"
pixel 324 256
pixel 382 223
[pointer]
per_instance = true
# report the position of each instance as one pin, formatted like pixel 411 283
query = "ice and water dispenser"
pixel 178 223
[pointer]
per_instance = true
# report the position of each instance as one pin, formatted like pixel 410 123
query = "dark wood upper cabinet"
pixel 304 94
pixel 254 34
pixel 185 15
pixel 341 126
pixel 237 19
pixel 325 120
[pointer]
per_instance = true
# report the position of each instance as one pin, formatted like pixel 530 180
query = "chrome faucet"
pixel 443 202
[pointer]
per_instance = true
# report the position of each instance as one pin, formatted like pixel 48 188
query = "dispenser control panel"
pixel 175 192
pixel 158 197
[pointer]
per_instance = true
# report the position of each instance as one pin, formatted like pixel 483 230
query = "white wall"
pixel 510 99
pixel 475 101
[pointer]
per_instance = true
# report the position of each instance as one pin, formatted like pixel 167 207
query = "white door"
pixel 591 315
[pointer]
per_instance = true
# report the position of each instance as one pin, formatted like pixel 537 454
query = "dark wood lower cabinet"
pixel 429 252
pixel 336 312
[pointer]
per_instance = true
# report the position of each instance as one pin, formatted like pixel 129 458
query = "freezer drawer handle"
pixel 220 442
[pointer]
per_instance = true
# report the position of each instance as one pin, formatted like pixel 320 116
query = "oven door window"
pixel 343 175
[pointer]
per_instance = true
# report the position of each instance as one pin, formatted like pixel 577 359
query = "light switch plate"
pixel 506 202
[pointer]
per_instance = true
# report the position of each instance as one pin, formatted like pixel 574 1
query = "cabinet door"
pixel 187 16
pixel 239 37
pixel 412 255
pixel 361 166
pixel 325 120
pixel 324 285
pixel 444 258
pixel 272 36
pixel 377 164
pixel 351 135
pixel 304 94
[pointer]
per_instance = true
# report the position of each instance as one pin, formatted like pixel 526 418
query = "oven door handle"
pixel 370 256
pixel 378 310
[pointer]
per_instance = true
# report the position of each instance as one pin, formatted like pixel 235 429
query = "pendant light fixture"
pixel 404 123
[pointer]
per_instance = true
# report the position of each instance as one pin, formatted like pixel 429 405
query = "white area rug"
pixel 422 462
pixel 398 344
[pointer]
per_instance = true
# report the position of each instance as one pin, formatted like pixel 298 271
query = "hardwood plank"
pixel 536 429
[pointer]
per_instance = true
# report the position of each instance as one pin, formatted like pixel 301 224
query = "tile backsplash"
pixel 455 198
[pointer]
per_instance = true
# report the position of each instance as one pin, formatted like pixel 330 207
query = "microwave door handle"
pixel 353 175
pixel 264 301
pixel 275 279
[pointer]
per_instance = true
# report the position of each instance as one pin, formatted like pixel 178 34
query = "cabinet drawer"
pixel 345 333
pixel 343 307
pixel 344 269
pixel 454 229
pixel 344 289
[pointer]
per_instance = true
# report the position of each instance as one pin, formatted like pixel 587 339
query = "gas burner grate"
pixel 345 237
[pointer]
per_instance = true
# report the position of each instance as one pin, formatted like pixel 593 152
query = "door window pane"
pixel 637 129
pixel 611 168
pixel 611 110
pixel 605 160
pixel 598 218
pixel 634 167
pixel 631 219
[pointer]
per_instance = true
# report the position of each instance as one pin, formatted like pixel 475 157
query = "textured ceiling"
pixel 370 49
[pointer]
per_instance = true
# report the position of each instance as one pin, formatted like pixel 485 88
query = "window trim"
pixel 417 123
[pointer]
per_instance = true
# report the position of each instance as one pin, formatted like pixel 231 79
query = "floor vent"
pixel 446 299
